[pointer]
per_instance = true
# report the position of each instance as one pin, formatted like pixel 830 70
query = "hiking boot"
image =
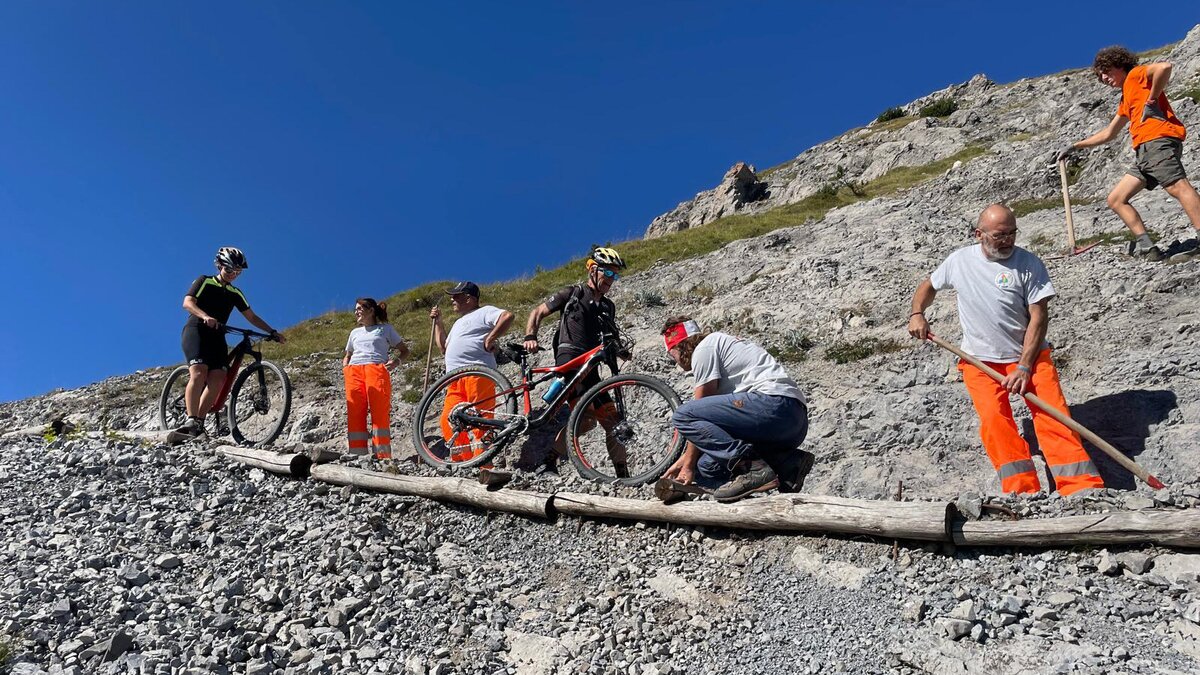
pixel 550 466
pixel 793 472
pixel 758 478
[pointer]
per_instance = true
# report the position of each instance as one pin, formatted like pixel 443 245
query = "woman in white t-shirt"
pixel 368 382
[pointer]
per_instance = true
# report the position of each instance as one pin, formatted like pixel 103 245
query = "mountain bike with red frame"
pixel 257 399
pixel 641 432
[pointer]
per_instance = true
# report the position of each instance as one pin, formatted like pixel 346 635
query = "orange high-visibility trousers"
pixel 480 391
pixel 1069 463
pixel 369 387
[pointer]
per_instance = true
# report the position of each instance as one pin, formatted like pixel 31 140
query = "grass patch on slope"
pixel 409 310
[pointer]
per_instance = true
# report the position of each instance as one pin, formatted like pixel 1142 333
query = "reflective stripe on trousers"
pixel 477 390
pixel 368 388
pixel 1069 463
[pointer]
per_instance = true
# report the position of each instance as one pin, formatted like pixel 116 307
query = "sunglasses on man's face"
pixel 609 274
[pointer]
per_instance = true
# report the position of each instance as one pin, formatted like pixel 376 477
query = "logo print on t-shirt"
pixel 1005 280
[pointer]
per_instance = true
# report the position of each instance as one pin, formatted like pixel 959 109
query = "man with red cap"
pixel 747 420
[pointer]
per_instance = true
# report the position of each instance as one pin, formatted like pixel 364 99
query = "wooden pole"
pixel 294 465
pixel 1062 175
pixel 458 490
pixel 927 521
pixel 428 357
pixel 1166 528
pixel 1117 456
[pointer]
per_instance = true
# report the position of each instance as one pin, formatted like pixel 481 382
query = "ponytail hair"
pixel 380 308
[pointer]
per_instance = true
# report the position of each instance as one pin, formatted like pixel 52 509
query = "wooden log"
pixel 926 521
pixel 1168 528
pixel 458 490
pixel 294 465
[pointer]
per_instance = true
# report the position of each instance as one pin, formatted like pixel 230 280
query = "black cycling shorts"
pixel 203 345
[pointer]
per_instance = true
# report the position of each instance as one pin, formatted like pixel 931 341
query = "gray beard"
pixel 994 255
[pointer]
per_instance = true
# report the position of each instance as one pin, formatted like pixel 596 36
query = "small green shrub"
pixel 793 347
pixel 943 107
pixel 649 298
pixel 847 352
pixel 412 396
pixel 890 114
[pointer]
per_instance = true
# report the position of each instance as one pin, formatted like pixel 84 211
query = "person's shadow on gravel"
pixel 1122 419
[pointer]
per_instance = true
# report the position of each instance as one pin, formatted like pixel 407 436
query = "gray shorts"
pixel 1159 162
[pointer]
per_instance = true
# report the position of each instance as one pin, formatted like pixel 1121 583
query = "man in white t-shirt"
pixel 1003 296
pixel 746 422
pixel 470 342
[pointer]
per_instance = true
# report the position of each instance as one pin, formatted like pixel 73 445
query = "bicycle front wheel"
pixel 445 438
pixel 259 404
pixel 620 431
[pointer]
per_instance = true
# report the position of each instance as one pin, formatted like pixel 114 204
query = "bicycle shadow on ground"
pixel 1124 420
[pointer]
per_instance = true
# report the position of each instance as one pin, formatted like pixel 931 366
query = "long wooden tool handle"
pixel 1062 175
pixel 428 357
pixel 1118 456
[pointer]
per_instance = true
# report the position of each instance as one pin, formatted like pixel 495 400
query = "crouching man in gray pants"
pixel 746 423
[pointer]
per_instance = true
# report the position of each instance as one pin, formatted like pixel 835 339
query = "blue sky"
pixel 363 148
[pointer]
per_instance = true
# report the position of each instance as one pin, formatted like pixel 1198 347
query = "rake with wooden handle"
pixel 1072 249
pixel 1117 456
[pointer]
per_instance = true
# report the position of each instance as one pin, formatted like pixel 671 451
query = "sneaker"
pixel 191 428
pixel 1184 256
pixel 1153 254
pixel 794 471
pixel 758 478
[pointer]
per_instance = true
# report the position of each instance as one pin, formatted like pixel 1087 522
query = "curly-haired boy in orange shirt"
pixel 1157 142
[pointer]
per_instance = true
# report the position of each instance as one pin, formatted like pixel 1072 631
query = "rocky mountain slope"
pixel 142 558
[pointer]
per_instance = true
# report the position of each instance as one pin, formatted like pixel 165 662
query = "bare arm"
pixel 189 303
pixel 531 326
pixel 918 326
pixel 439 331
pixel 1105 135
pixel 502 324
pixel 1160 76
pixel 684 468
pixel 346 359
pixel 257 321
pixel 1017 381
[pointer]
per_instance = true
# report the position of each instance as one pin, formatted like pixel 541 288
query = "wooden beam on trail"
pixel 458 490
pixel 294 465
pixel 1167 528
pixel 925 521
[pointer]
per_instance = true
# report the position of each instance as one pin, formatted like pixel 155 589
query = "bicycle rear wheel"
pixel 638 409
pixel 259 404
pixel 172 406
pixel 445 441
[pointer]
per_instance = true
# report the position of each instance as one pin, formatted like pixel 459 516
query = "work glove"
pixel 1153 112
pixel 1064 153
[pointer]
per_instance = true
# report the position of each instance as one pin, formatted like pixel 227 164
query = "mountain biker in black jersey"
pixel 209 302
pixel 585 312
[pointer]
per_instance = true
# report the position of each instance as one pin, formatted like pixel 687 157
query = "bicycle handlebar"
pixel 249 333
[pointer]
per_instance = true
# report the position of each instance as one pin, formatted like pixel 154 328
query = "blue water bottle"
pixel 555 387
